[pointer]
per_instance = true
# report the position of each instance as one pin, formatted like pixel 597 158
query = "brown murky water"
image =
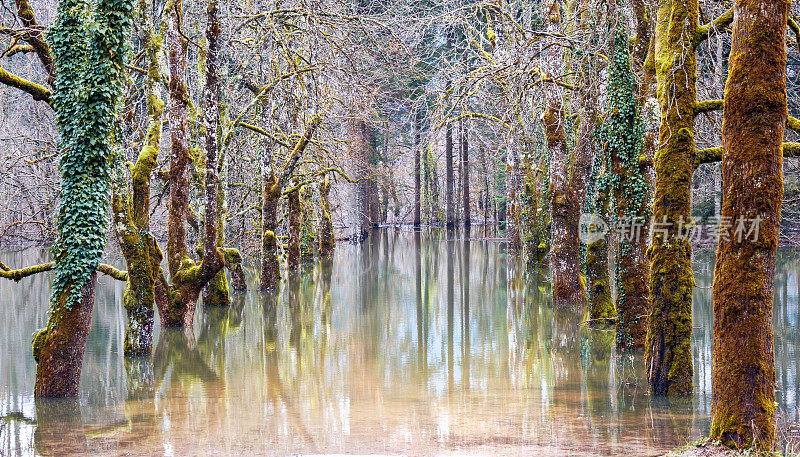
pixel 402 346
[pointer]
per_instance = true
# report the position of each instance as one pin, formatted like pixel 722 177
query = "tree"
pixel 669 322
pixel 755 116
pixel 89 55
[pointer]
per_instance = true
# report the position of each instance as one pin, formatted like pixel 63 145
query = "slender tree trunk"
pixel 449 184
pixel 293 250
pixel 752 165
pixel 132 220
pixel 417 152
pixel 188 279
pixel 511 216
pixel 465 172
pixel 327 242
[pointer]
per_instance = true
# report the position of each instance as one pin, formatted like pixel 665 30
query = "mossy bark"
pixel 307 232
pixel 327 242
pixel 755 113
pixel 601 301
pixel 233 262
pixel 669 322
pixel 623 134
pixel 58 348
pixel 189 278
pixel 564 215
pixel 293 247
pixel 132 220
pixel 270 268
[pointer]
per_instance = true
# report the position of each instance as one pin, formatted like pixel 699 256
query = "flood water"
pixel 406 345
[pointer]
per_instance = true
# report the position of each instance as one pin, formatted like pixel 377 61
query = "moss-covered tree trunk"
pixel 308 235
pixel 189 278
pixel 217 291
pixel 564 204
pixel 417 172
pixel 598 280
pixel 89 53
pixel 327 242
pixel 58 349
pixel 565 215
pixel 132 218
pixel 271 191
pixel 669 322
pixel 623 136
pixel 293 246
pixel 752 165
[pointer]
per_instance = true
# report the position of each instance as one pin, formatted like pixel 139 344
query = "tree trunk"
pixel 270 268
pixel 132 221
pixel 89 51
pixel 598 281
pixel 293 249
pixel 623 134
pixel 465 173
pixel 512 210
pixel 188 278
pixel 564 210
pixel 327 242
pixel 752 165
pixel 449 183
pixel 417 152
pixel 669 323
pixel 59 348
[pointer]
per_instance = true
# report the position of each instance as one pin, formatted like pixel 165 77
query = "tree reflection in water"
pixel 411 343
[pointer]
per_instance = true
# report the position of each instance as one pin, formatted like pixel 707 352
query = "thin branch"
pixel 719 23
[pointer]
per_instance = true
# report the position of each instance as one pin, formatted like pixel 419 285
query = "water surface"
pixel 413 345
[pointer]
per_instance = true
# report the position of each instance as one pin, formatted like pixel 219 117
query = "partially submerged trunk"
pixel 89 52
pixel 623 134
pixel 189 278
pixel 598 280
pixel 565 214
pixel 271 191
pixel 58 349
pixel 132 220
pixel 327 242
pixel 417 171
pixel 743 410
pixel 465 174
pixel 513 219
pixel 669 323
pixel 293 246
